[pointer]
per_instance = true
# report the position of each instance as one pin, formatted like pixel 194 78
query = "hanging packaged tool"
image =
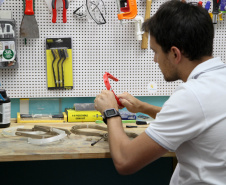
pixel 5 109
pixel 8 53
pixel 127 9
pixel 54 9
pixel 59 63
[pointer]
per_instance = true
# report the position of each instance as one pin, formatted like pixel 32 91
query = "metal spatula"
pixel 29 26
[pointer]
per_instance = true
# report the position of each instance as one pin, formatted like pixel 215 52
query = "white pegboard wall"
pixel 96 49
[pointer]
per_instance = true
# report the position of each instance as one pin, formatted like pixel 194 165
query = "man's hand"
pixel 105 100
pixel 131 103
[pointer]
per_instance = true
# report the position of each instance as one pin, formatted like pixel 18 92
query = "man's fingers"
pixel 124 102
pixel 123 95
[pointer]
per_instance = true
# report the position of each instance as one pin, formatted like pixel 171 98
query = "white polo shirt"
pixel 193 124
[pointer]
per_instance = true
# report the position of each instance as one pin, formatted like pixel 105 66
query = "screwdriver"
pixel 132 126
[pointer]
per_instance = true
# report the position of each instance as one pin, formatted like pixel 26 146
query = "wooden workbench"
pixel 16 148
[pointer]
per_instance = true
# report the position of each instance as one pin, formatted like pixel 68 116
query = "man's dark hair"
pixel 185 26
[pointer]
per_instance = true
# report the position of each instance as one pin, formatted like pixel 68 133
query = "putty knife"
pixel 29 26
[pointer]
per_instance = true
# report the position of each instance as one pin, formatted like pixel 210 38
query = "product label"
pixel 8 54
pixel 152 87
pixel 89 116
pixel 6 113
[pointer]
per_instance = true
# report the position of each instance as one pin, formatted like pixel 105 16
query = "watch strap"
pixel 105 117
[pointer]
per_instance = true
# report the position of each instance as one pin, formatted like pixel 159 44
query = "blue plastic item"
pixel 223 6
pixel 1 97
pixel 207 6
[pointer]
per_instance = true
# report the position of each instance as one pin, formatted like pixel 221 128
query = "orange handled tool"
pixel 108 86
pixel 127 9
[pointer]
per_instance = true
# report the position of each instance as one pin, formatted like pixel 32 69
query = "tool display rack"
pixel 96 49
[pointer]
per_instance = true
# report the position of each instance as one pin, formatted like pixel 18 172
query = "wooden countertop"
pixel 16 148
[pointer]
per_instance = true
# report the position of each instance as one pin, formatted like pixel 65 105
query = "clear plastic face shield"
pixel 92 10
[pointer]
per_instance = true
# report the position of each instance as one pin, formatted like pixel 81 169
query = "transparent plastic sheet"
pixel 59 137
pixel 12 130
pixel 92 10
pixel 96 10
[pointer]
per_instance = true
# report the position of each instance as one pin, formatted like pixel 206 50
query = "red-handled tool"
pixel 29 8
pixel 54 11
pixel 65 7
pixel 108 86
pixel 29 26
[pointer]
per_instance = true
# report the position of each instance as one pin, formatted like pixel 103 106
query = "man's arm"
pixel 134 105
pixel 128 155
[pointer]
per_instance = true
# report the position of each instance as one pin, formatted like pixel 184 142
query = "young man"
pixel 192 122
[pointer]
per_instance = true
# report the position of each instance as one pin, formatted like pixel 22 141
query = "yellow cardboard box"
pixel 83 116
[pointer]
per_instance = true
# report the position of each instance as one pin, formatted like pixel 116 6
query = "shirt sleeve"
pixel 180 119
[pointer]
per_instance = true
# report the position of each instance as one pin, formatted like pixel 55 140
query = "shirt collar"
pixel 205 65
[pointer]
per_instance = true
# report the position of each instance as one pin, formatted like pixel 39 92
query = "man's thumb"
pixel 124 102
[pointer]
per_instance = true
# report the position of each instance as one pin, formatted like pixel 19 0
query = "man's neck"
pixel 187 66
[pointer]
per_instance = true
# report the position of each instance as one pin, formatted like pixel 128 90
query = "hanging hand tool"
pixel 61 55
pixel 127 9
pixel 207 6
pixel 215 12
pixel 139 20
pixel 108 86
pixel 144 44
pixel 223 6
pixel 200 3
pixel 65 7
pixel 54 58
pixel 29 26
pixel 62 65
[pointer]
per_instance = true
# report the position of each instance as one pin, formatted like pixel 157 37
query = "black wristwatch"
pixel 109 113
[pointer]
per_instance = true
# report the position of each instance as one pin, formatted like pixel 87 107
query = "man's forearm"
pixel 149 109
pixel 117 139
pixel 130 155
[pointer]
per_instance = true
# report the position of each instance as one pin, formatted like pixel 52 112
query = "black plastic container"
pixel 5 109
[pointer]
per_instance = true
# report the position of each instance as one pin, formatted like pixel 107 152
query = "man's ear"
pixel 175 54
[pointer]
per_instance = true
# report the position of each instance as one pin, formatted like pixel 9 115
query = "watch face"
pixel 110 112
